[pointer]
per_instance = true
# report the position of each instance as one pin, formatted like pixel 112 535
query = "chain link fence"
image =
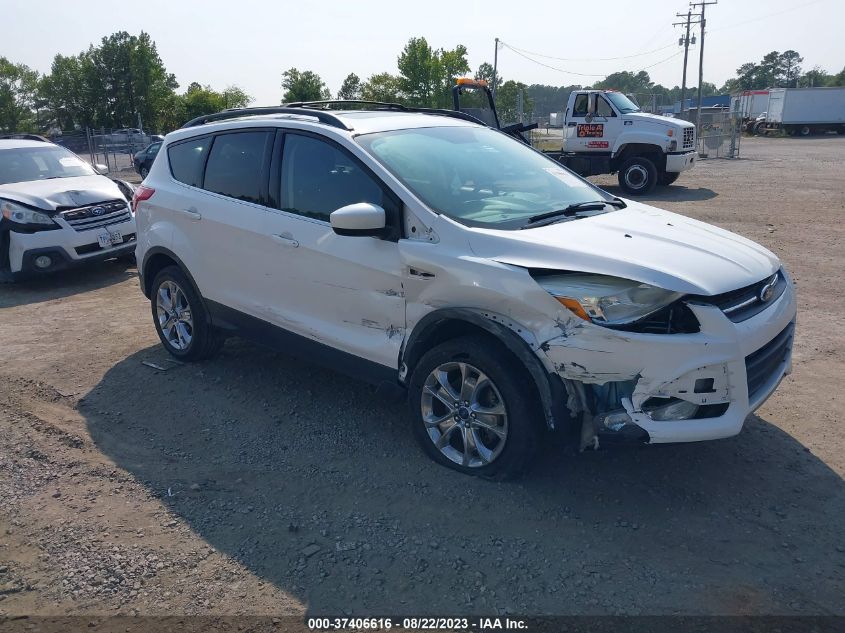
pixel 719 134
pixel 114 148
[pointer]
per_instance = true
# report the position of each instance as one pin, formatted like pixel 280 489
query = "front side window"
pixel 318 178
pixel 603 108
pixel 478 176
pixel 187 158
pixel 23 164
pixel 235 165
pixel 152 150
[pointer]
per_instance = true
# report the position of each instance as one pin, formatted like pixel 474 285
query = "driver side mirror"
pixel 362 219
pixel 588 117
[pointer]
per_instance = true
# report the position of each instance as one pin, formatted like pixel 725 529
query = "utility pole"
pixel 685 40
pixel 702 22
pixel 495 67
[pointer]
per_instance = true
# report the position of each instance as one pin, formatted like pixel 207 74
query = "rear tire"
pixel 805 130
pixel 637 176
pixel 181 319
pixel 144 172
pixel 666 178
pixel 497 433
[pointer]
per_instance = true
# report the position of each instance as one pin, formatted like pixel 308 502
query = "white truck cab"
pixel 605 132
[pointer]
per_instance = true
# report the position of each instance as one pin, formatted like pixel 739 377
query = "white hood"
pixel 641 243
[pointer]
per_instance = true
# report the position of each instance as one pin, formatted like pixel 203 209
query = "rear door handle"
pixel 192 213
pixel 285 240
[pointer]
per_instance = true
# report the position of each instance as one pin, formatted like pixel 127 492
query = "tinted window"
pixel 580 107
pixel 152 150
pixel 186 160
pixel 603 108
pixel 318 178
pixel 234 166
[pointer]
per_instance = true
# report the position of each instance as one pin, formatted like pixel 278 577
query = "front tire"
pixel 666 178
pixel 144 172
pixel 471 410
pixel 181 318
pixel 637 176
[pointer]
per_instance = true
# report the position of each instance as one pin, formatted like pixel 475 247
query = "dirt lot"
pixel 259 484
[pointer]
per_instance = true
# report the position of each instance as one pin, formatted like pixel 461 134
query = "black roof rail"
pixel 25 136
pixel 234 113
pixel 324 104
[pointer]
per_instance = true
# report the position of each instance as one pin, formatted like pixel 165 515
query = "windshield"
pixel 22 164
pixel 478 176
pixel 622 103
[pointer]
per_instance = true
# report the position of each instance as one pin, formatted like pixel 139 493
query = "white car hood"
pixel 640 242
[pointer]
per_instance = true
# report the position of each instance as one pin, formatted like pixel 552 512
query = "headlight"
pixel 20 214
pixel 607 300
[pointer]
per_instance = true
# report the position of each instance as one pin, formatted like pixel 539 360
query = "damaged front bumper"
pixel 674 387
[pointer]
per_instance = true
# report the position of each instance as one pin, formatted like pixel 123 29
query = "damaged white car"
pixel 447 261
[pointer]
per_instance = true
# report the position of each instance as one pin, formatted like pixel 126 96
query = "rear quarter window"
pixel 187 159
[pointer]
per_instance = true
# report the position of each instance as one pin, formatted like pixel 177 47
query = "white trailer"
pixel 750 103
pixel 806 111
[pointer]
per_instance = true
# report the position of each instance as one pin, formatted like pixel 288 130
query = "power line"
pixel 570 72
pixel 589 59
pixel 765 17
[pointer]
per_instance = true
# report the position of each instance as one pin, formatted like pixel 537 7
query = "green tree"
pixel 418 72
pixel 18 88
pixel 303 86
pixel 485 72
pixel 448 66
pixel 838 79
pixel 350 88
pixel 507 101
pixel 382 87
pixel 814 78
pixel 790 63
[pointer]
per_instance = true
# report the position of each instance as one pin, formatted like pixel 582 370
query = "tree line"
pixel 122 82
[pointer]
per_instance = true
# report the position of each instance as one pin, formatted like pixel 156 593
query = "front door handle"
pixel 192 213
pixel 573 124
pixel 285 240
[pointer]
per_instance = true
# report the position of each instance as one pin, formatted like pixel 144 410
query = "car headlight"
pixel 607 300
pixel 20 214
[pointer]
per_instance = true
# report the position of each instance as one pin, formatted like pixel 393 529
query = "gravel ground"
pixel 259 484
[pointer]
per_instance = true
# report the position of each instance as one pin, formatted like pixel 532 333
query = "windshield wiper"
pixel 573 210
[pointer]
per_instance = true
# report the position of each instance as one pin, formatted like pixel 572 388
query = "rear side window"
pixel 318 178
pixel 235 165
pixel 187 158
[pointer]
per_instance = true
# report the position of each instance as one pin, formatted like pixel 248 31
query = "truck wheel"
pixel 759 128
pixel 805 130
pixel 666 178
pixel 471 409
pixel 637 176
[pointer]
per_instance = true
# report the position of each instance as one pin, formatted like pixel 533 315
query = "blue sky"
pixel 250 43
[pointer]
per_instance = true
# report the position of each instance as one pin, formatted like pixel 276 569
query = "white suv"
pixel 438 257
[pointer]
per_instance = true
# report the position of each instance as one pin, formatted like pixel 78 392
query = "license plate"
pixel 110 239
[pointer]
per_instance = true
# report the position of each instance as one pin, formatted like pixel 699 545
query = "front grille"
pixel 768 361
pixel 689 137
pixel 95 216
pixel 742 304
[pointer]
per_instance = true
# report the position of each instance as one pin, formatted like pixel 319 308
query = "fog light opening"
pixel 43 261
pixel 660 409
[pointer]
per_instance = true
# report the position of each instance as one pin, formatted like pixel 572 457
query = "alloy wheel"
pixel 174 315
pixel 464 414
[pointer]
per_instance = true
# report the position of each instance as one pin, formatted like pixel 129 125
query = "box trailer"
pixel 556 119
pixel 750 104
pixel 806 111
